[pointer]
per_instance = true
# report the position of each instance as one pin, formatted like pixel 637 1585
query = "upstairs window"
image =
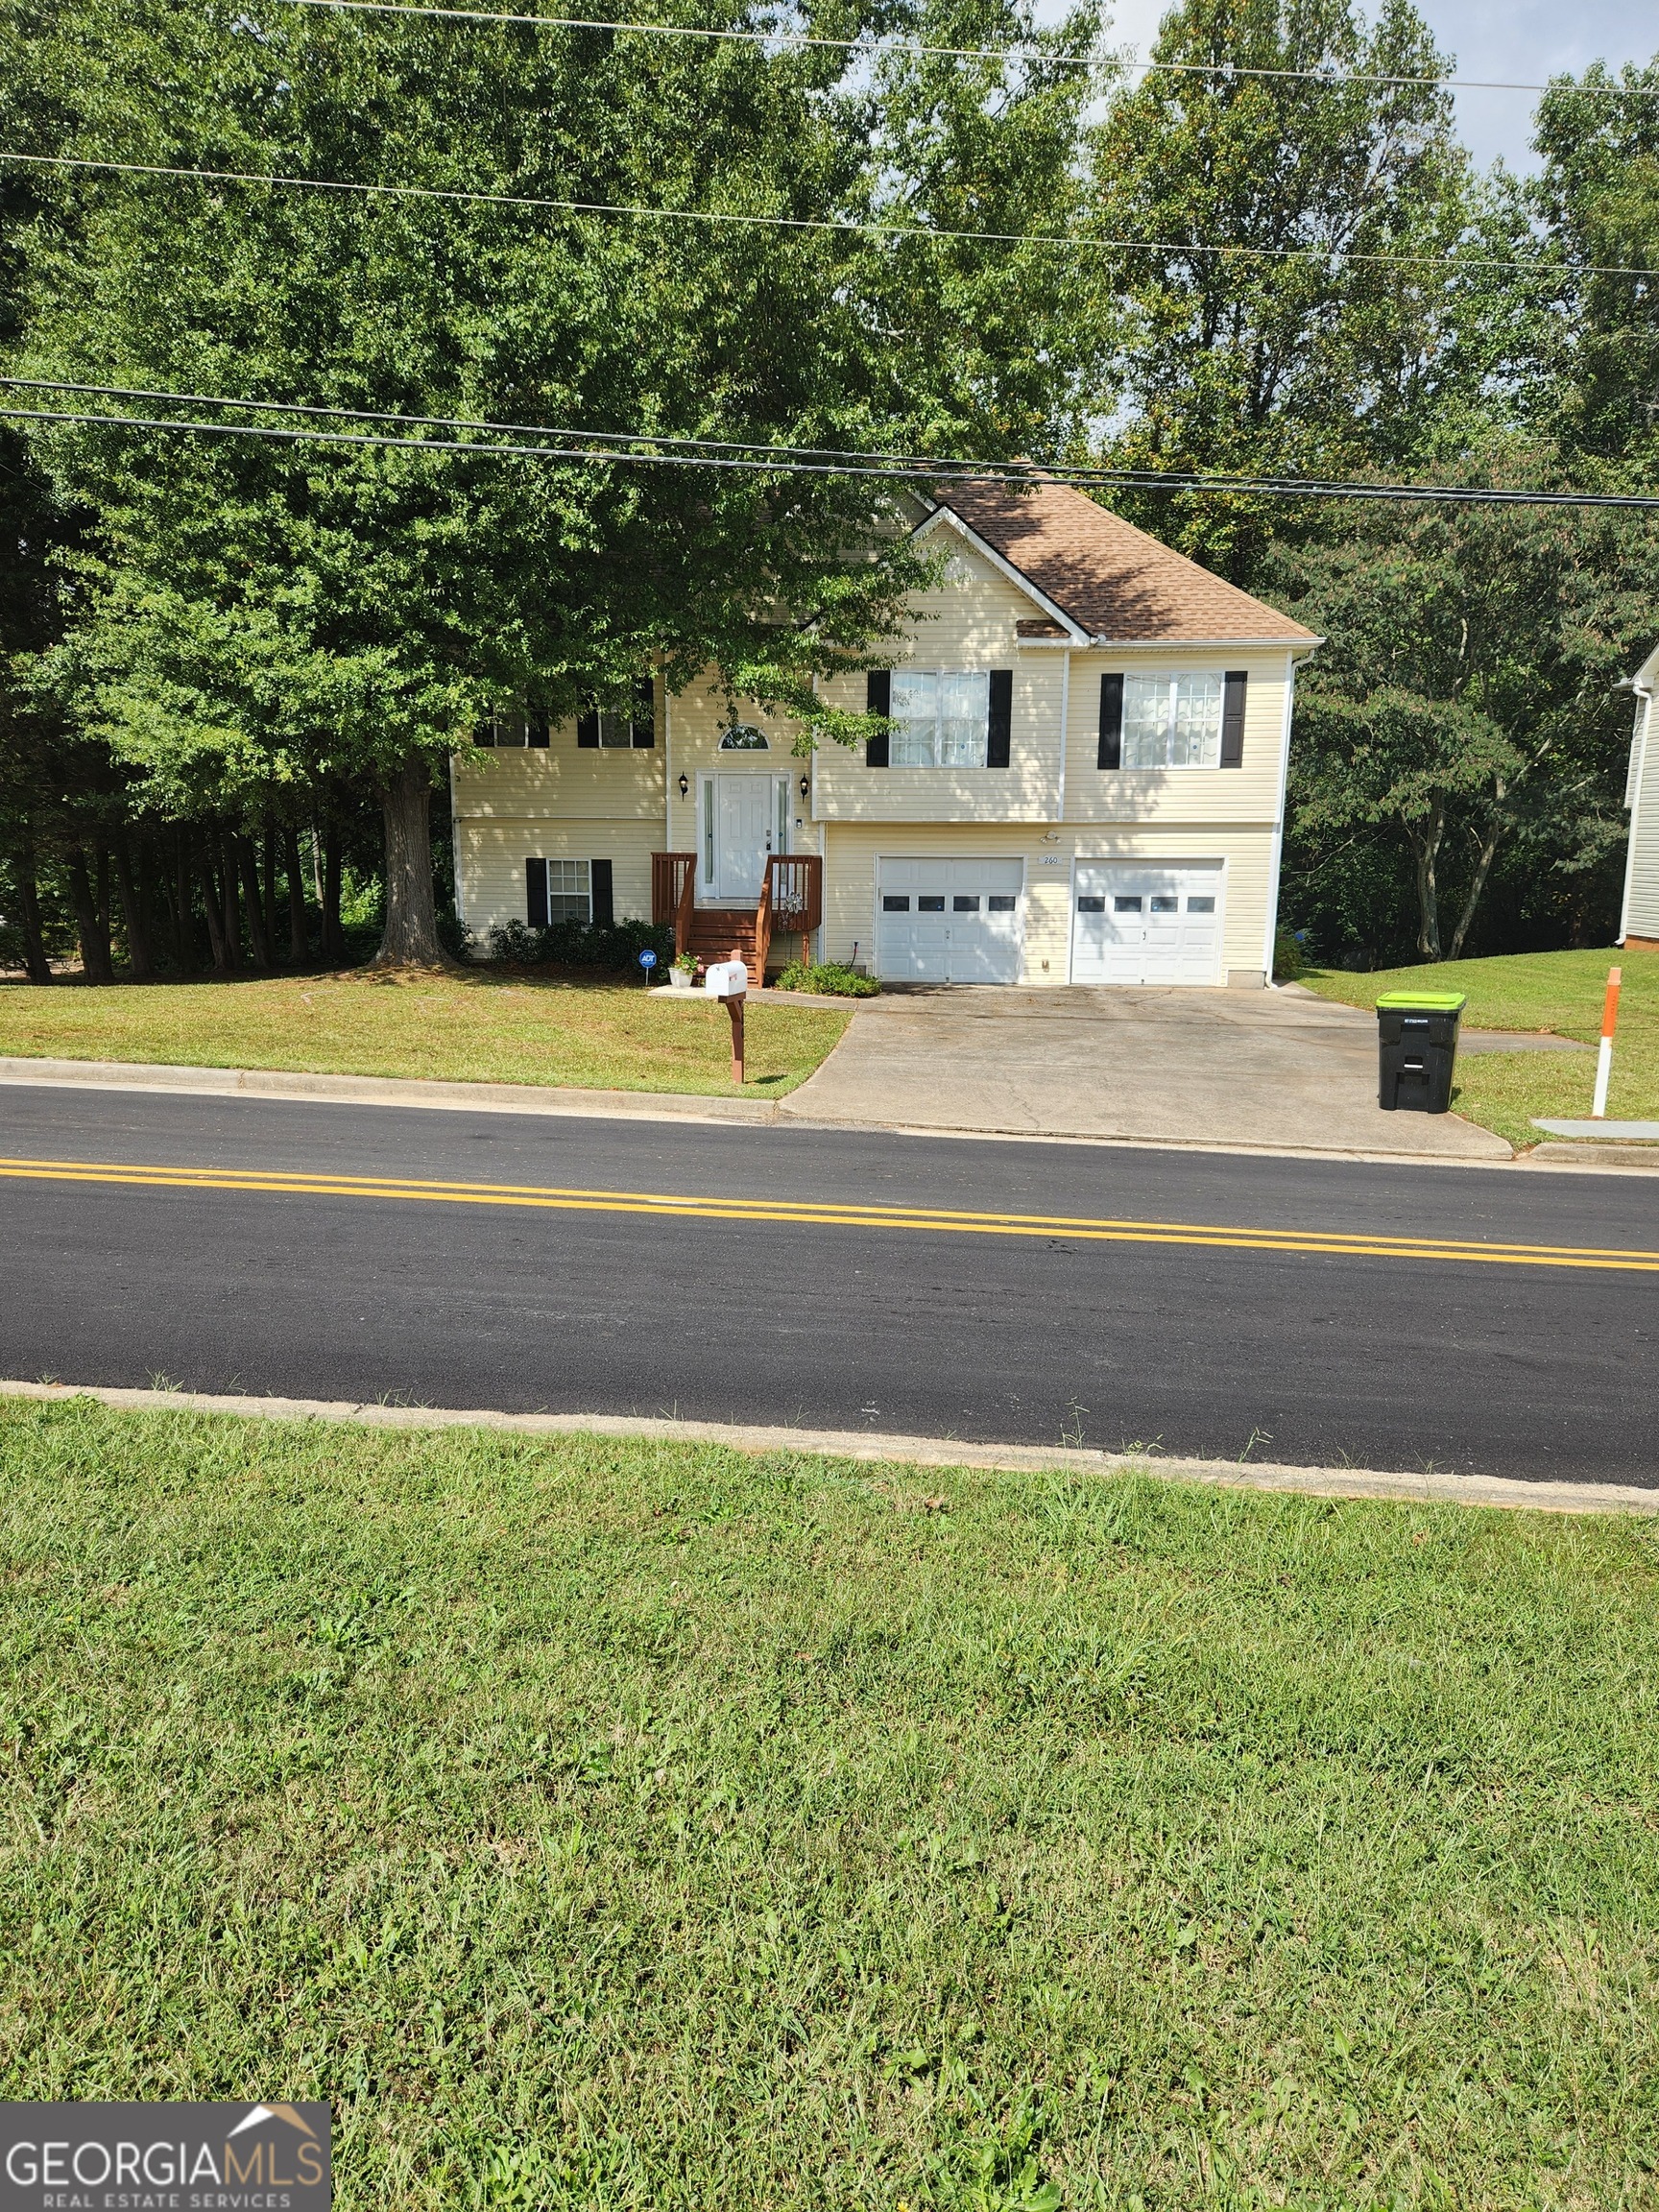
pixel 1172 721
pixel 941 717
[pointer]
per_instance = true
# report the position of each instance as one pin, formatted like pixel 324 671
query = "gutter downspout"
pixel 1064 729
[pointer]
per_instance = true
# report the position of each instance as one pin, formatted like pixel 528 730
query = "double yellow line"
pixel 813 1214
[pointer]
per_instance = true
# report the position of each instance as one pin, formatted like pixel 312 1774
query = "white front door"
pixel 1135 924
pixel 745 818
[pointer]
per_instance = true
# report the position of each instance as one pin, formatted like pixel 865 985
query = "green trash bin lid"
pixel 1422 1002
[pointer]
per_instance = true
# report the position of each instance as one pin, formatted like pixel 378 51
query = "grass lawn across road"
pixel 1539 991
pixel 451 1029
pixel 612 1824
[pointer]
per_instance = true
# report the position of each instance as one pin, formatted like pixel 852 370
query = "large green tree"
pixel 1465 700
pixel 255 620
pixel 1597 195
pixel 1305 295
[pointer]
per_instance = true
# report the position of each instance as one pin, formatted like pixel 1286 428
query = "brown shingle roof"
pixel 1113 580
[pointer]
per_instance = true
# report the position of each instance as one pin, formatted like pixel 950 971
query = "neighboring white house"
pixel 1084 779
pixel 1638 920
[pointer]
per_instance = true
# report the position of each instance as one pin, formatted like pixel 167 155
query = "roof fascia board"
pixel 1075 633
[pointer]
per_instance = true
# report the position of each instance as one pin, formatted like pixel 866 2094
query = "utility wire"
pixel 917 230
pixel 937 473
pixel 876 49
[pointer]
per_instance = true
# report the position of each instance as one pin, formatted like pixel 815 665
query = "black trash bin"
pixel 1417 1049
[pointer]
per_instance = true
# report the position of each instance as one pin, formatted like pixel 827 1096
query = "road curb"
pixel 1429 1488
pixel 383 1090
pixel 567 1101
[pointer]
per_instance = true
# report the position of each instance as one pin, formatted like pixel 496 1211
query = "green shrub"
pixel 828 979
pixel 1291 954
pixel 615 947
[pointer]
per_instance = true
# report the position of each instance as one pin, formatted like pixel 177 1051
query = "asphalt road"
pixel 741 1305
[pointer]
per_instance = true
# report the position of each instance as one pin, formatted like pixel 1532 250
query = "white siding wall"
pixel 1642 893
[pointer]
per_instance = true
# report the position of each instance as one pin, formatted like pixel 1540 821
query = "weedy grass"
pixel 615 1824
pixel 448 1028
pixel 1561 992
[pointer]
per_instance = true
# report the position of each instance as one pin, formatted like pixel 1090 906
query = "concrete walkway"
pixel 1278 1070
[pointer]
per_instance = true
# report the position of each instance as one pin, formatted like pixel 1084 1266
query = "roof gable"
pixel 1104 577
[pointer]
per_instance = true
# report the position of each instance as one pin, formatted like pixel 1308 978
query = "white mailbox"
pixel 726 979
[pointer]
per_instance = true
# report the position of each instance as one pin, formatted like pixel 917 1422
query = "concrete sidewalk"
pixel 1278 1070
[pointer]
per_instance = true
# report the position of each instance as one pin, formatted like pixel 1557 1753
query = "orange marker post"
pixel 1605 1058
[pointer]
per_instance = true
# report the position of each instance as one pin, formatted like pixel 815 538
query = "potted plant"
pixel 683 975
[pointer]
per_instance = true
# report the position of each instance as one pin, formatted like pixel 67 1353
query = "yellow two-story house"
pixel 1082 781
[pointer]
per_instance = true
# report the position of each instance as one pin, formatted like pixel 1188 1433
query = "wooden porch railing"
pixel 791 899
pixel 673 893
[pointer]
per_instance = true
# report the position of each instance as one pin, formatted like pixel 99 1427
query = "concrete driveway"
pixel 1275 1068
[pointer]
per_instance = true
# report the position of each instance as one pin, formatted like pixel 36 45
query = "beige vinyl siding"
pixel 562 777
pixel 1244 851
pixel 1641 908
pixel 1249 793
pixel 967 621
pixel 490 859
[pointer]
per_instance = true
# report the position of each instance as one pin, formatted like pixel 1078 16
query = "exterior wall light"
pixel 685 785
pixel 806 786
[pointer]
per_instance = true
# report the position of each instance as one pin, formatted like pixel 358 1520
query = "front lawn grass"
pixel 1540 991
pixel 451 1029
pixel 600 1823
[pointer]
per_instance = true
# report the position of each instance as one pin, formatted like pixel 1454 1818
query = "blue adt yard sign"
pixel 647 961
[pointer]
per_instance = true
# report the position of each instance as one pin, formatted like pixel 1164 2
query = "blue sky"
pixel 1514 39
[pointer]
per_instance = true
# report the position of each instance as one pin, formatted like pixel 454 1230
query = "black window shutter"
pixel 541 731
pixel 644 717
pixel 588 729
pixel 999 729
pixel 1110 753
pixel 536 894
pixel 486 735
pixel 1233 688
pixel 877 699
pixel 604 902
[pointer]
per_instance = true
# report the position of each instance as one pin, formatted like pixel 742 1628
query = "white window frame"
pixel 907 748
pixel 1170 730
pixel 569 887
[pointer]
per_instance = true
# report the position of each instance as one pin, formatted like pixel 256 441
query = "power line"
pixel 920 231
pixel 876 48
pixel 921 469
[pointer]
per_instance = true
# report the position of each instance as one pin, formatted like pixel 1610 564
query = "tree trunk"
pixel 247 857
pixel 298 933
pixel 137 936
pixel 333 936
pixel 1426 846
pixel 1478 884
pixel 227 901
pixel 411 934
pixel 184 903
pixel 92 929
pixel 101 861
pixel 271 889
pixel 35 961
pixel 213 905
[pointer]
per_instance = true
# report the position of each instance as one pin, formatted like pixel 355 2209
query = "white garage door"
pixel 1140 925
pixel 949 921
